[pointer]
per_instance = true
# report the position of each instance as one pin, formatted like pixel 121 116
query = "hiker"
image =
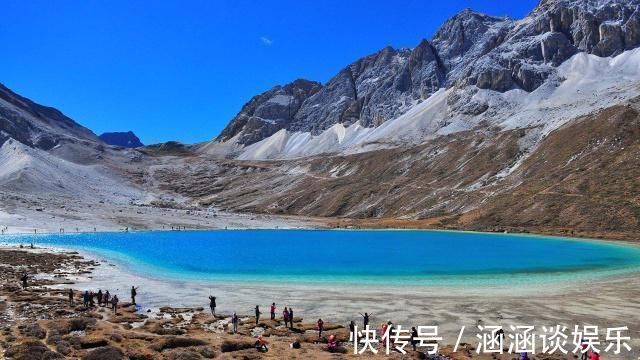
pixel 91 295
pixel 365 319
pixel 261 344
pixel 414 337
pixel 257 315
pixel 99 297
pixel 106 297
pixel 212 304
pixel 290 317
pixel 70 296
pixel 133 294
pixel 273 311
pixel 584 344
pixel 384 334
pixel 85 299
pixel 320 326
pixel 114 303
pixel 524 355
pixel 352 331
pixel 24 279
pixel 234 322
pixel 285 316
pixel 332 343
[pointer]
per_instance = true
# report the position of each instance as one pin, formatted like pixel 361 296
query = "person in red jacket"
pixel 273 311
pixel 595 355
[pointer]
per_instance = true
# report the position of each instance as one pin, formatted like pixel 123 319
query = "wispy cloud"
pixel 266 41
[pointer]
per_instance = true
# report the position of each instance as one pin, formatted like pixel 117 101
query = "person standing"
pixel 107 298
pixel 114 303
pixel 320 325
pixel 99 297
pixel 257 314
pixel 85 298
pixel 290 317
pixel 365 319
pixel 234 322
pixel 273 311
pixel 134 292
pixel 285 316
pixel 24 279
pixel 352 331
pixel 414 337
pixel 70 296
pixel 212 304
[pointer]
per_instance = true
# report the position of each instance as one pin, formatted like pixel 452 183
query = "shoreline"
pixel 541 235
pixel 606 303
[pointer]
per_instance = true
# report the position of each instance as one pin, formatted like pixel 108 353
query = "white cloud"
pixel 266 41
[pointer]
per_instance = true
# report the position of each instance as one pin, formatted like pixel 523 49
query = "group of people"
pixel 287 314
pixel 104 299
pixel 89 298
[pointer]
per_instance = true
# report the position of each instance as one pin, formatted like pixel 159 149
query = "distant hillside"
pixel 123 139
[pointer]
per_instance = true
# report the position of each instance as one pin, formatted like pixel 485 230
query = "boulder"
pixel 611 40
pixel 556 48
pixel 632 31
pixel 92 342
pixel 34 330
pixel 183 354
pixel 236 345
pixel 105 353
pixel 30 350
pixel 177 342
pixel 495 79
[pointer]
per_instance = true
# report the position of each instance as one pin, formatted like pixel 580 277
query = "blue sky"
pixel 180 70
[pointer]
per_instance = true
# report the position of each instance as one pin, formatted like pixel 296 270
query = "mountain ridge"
pixel 469 51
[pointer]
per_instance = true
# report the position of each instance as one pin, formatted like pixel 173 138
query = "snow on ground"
pixel 583 84
pixel 300 144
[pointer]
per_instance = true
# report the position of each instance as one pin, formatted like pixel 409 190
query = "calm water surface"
pixel 379 257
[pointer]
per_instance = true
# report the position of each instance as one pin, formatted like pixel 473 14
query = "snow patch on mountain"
pixel 581 85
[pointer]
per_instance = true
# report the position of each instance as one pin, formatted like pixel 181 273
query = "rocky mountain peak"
pixel 269 112
pixel 470 51
pixel 125 139
pixel 37 125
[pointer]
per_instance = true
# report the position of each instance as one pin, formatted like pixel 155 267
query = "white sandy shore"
pixel 609 302
pixel 26 214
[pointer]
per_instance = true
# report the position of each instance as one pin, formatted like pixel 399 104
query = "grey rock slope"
pixel 37 125
pixel 269 112
pixel 470 49
pixel 125 139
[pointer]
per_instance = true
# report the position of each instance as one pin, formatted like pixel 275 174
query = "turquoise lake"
pixel 358 257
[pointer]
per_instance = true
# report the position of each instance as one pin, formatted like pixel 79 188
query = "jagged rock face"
pixel 269 112
pixel 374 89
pixel 469 50
pixel 551 34
pixel 123 139
pixel 36 125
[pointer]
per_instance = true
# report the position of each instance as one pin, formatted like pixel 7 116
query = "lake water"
pixel 357 257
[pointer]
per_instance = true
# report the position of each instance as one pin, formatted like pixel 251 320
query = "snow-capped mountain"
pixel 476 71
